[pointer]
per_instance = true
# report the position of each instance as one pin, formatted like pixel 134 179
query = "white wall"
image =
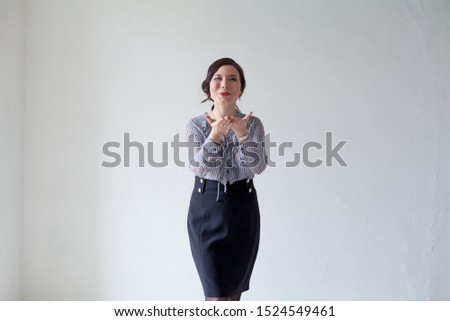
pixel 12 37
pixel 375 73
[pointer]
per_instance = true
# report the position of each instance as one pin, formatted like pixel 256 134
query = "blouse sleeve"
pixel 205 156
pixel 251 153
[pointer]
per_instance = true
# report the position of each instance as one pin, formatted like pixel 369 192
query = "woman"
pixel 226 151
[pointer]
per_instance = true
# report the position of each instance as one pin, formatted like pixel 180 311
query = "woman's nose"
pixel 224 84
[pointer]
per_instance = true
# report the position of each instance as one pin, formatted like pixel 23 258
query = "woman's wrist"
pixel 241 134
pixel 214 138
pixel 242 138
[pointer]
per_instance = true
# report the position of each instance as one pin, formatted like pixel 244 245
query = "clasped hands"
pixel 221 126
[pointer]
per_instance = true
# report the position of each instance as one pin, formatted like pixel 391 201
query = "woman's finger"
pixel 246 117
pixel 210 120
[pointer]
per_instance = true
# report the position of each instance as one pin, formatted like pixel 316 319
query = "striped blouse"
pixel 226 162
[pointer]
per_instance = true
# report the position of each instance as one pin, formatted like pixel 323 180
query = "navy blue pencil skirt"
pixel 224 235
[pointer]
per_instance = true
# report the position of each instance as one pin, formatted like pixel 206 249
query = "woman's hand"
pixel 220 127
pixel 239 125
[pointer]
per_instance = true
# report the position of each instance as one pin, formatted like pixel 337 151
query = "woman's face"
pixel 225 86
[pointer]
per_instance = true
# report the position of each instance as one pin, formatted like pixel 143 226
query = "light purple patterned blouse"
pixel 228 161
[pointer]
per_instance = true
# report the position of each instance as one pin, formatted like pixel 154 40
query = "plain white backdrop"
pixel 77 74
pixel 12 96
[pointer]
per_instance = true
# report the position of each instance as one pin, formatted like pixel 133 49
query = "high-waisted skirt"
pixel 224 235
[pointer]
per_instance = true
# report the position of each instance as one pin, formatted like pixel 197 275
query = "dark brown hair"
pixel 213 69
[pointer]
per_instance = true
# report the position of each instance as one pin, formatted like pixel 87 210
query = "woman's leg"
pixel 236 297
pixel 216 298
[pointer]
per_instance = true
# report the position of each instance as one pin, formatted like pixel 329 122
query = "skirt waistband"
pixel 203 185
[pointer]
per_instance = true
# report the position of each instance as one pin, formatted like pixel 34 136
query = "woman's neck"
pixel 224 110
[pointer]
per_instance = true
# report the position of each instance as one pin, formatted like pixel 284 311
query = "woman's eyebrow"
pixel 232 75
